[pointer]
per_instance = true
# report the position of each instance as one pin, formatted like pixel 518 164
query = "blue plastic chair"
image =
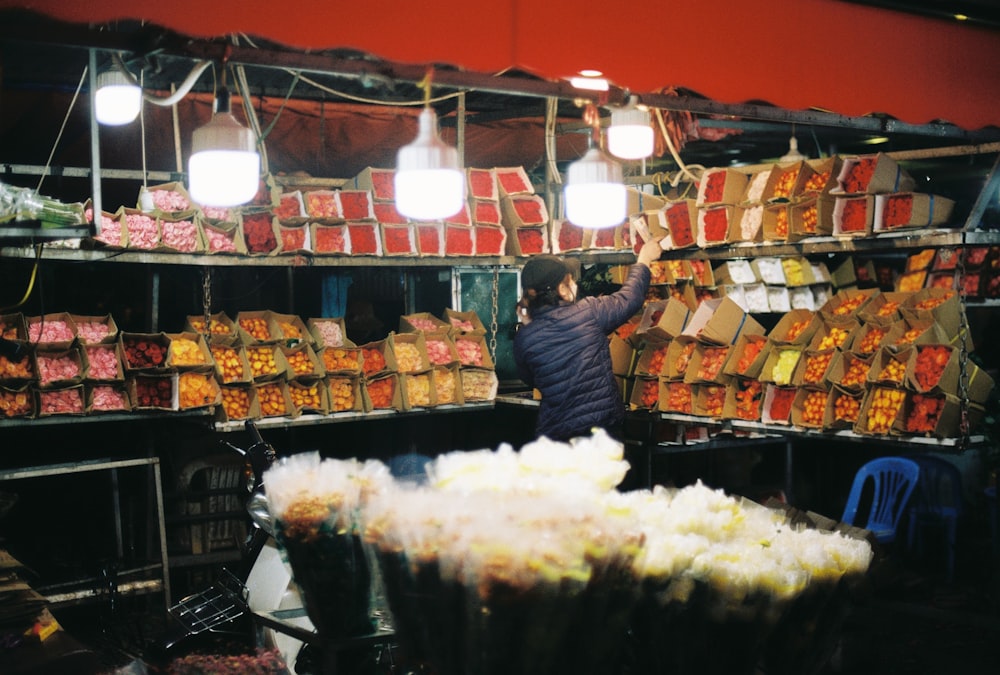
pixel 938 499
pixel 893 480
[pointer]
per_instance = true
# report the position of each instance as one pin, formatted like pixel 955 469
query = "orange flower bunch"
pixel 810 218
pixel 931 360
pixel 289 330
pixel 932 302
pixel 781 223
pixel 650 393
pixel 786 181
pixel 227 362
pixel 814 408
pixel 679 397
pixel 715 399
pixel 215 327
pixel 817 182
pixel 262 361
pixel 924 413
pixel 195 390
pixel 716 225
pixel 684 358
pixel 305 397
pixel 781 403
pixel 19 369
pixel 893 371
pixel 625 330
pixel 381 392
pixel 898 210
pixel 257 328
pixel 300 363
pixel 236 402
pixel 341 394
pixel 888 308
pixel 657 360
pixel 712 359
pixel 834 338
pixel 908 337
pixel 699 269
pixel 856 373
pixel 372 360
pixel 715 186
pixel 748 397
pixel 8 330
pixel 16 403
pixel 272 403
pixel 185 352
pixel 444 385
pixel 885 404
pixel 796 330
pixel 338 358
pixel 816 365
pixel 849 305
pixel 871 340
pixel 659 273
pixel 859 175
pixel 751 350
pixel 854 217
pixel 846 408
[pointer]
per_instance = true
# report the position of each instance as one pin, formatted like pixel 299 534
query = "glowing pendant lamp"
pixel 224 168
pixel 429 184
pixel 118 98
pixel 630 135
pixel 595 192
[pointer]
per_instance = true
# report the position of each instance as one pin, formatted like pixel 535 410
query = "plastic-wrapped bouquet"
pixel 315 504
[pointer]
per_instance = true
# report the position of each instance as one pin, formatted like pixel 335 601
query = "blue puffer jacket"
pixel 563 352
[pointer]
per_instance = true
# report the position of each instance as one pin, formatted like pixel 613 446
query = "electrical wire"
pixel 31 282
pixel 142 136
pixel 174 97
pixel 281 108
pixel 360 99
pixel 684 168
pixel 62 128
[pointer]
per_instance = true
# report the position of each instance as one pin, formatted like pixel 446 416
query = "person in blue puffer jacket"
pixel 562 348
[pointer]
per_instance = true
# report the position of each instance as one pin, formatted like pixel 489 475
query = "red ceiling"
pixel 796 54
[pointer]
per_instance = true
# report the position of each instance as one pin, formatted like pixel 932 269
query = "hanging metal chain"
pixel 494 295
pixel 963 352
pixel 206 299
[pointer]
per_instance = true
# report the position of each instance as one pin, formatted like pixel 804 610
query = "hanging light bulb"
pixel 630 135
pixel 118 98
pixel 429 185
pixel 595 191
pixel 793 154
pixel 224 168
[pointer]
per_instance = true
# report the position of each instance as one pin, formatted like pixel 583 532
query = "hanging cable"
pixel 31 282
pixel 281 109
pixel 685 169
pixel 176 95
pixel 360 99
pixel 62 128
pixel 142 136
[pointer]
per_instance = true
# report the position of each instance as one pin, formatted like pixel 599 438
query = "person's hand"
pixel 649 252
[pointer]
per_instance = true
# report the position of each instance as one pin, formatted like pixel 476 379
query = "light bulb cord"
pixel 425 86
pixel 176 96
pixel 694 171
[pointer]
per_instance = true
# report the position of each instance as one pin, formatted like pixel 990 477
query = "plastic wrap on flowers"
pixel 315 505
pixel 510 583
pixel 721 576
